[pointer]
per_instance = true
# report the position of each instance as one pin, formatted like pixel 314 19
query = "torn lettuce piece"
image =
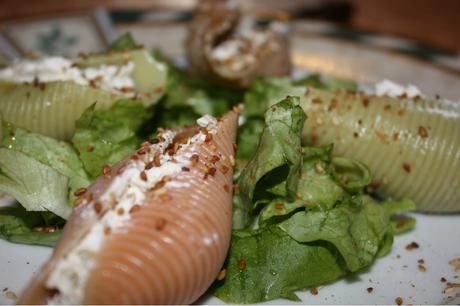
pixel 59 155
pixel 355 227
pixel 266 264
pixel 103 137
pixel 124 42
pixel 401 223
pixel 317 187
pixel 187 99
pixel 20 226
pixel 327 83
pixel 36 186
pixel 330 214
pixel 274 170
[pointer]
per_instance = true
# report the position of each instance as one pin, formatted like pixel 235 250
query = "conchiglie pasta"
pixel 411 145
pixel 50 108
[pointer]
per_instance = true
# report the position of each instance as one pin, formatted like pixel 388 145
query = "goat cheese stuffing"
pixel 49 69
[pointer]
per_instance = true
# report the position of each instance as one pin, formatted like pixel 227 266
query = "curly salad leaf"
pixel 305 216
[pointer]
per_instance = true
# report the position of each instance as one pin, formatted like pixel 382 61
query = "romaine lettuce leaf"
pixel 187 99
pixel 274 170
pixel 266 264
pixel 355 227
pixel 124 42
pixel 59 155
pixel 36 186
pixel 302 234
pixel 103 137
pixel 21 226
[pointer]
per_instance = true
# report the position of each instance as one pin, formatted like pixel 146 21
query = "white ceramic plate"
pixel 395 275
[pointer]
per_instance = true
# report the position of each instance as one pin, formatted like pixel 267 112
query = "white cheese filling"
pixel 71 273
pixel 389 88
pixel 107 77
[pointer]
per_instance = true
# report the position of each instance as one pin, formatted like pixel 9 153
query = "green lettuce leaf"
pixel 36 186
pixel 327 83
pixel 124 42
pixel 305 215
pixel 103 137
pixel 278 158
pixel 356 228
pixel 266 264
pixel 59 155
pixel 186 99
pixel 21 226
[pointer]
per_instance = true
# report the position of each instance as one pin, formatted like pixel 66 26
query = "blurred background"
pixel 427 29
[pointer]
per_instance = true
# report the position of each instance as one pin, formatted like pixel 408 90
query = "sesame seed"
pixel 80 192
pixel 194 159
pixel 158 185
pixel 107 230
pixel 421 268
pixel 412 245
pixel 319 168
pixel 136 207
pixel 224 169
pixel 157 160
pixel 314 291
pixel 78 201
pixel 398 300
pixel 317 101
pixel 106 170
pixel 143 176
pixel 232 160
pixel 422 132
pixel 185 169
pixel 370 289
pixel 214 159
pixel 149 165
pixel 97 207
pixel 406 167
pixel 160 224
pixel 165 197
pixel 221 274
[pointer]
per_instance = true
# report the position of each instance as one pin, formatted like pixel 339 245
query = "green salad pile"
pixel 302 216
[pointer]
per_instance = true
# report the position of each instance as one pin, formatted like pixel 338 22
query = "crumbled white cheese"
pixel 107 77
pixel 71 273
pixel 207 121
pixel 389 88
